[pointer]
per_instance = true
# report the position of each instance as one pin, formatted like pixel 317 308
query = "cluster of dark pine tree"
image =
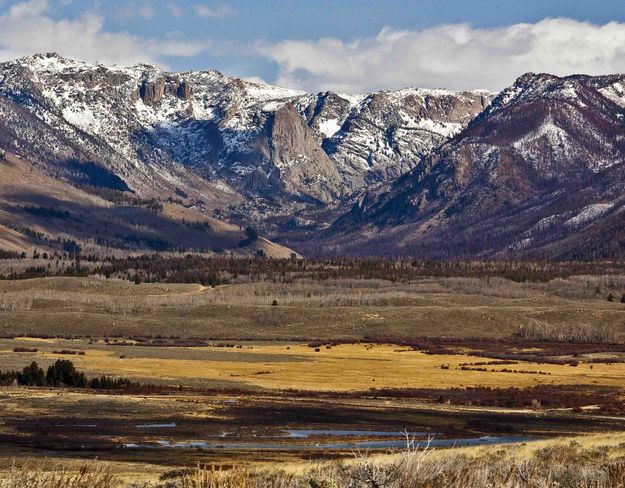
pixel 251 235
pixel 61 373
pixel 4 254
pixel 216 270
pixel 226 270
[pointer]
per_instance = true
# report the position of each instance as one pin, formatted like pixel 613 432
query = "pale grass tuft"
pixel 546 465
pixel 568 465
pixel 33 475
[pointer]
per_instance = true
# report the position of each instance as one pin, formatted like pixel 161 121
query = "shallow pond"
pixel 171 425
pixel 398 443
pixel 304 434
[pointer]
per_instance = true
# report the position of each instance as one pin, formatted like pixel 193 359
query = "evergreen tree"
pixel 64 373
pixel 32 375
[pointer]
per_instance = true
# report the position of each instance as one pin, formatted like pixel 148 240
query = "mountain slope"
pixel 43 213
pixel 536 174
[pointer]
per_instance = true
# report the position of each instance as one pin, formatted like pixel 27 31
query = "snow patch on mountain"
pixel 83 118
pixel 549 131
pixel 589 213
pixel 259 92
pixel 446 130
pixel 615 92
pixel 546 223
pixel 329 127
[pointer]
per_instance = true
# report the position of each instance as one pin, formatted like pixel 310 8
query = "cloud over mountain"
pixel 456 56
pixel 28 27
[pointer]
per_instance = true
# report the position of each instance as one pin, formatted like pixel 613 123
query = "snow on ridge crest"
pixel 206 118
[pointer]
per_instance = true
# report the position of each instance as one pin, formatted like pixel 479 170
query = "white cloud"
pixel 174 9
pixel 456 56
pixel 134 10
pixel 213 12
pixel 26 28
pixel 29 8
pixel 177 47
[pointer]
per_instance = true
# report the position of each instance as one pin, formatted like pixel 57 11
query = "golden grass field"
pixel 345 367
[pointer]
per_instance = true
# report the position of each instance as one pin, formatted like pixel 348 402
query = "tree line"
pixel 216 270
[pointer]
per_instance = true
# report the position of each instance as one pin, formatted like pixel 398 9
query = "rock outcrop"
pixel 152 91
pixel 300 163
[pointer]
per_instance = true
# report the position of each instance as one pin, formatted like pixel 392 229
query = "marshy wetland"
pixel 301 373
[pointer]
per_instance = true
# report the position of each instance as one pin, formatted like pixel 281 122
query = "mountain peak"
pixel 49 57
pixel 531 78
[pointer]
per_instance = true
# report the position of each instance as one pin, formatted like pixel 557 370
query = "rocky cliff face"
pixel 540 167
pixel 300 163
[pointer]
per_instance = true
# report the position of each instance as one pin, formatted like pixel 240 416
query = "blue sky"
pixel 348 45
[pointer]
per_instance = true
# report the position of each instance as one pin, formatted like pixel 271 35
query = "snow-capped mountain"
pixel 540 172
pixel 537 170
pixel 158 131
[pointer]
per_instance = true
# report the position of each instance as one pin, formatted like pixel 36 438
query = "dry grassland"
pixel 341 309
pixel 109 320
pixel 347 367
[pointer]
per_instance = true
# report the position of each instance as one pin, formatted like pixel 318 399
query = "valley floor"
pixel 304 374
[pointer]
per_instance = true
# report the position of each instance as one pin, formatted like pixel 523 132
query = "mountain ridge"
pixel 240 151
pixel 529 176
